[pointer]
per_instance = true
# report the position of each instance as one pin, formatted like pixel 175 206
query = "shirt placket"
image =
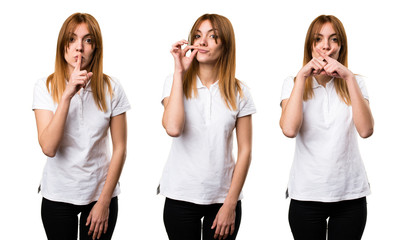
pixel 326 105
pixel 208 105
pixel 80 98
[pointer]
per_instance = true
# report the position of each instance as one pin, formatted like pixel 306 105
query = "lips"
pixel 202 51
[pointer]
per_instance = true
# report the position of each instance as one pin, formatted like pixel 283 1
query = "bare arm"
pixel 173 116
pixel 291 115
pixel 51 126
pixel 98 217
pixel 362 117
pixel 225 219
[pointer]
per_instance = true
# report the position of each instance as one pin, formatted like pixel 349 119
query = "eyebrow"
pixel 211 30
pixel 87 35
pixel 318 34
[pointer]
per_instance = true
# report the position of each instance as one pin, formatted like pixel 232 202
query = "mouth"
pixel 202 51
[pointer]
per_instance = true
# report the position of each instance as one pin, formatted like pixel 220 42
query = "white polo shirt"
pixel 327 165
pixel 200 164
pixel 78 171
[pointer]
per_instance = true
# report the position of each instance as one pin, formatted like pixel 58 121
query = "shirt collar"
pixel 200 85
pixel 315 83
pixel 88 86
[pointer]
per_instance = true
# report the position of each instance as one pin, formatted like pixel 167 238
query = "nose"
pixel 203 41
pixel 79 46
pixel 326 45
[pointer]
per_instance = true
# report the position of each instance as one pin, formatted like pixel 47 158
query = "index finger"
pixel 325 56
pixel 79 62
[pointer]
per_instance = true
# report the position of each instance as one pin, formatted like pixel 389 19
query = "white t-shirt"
pixel 78 171
pixel 200 164
pixel 327 165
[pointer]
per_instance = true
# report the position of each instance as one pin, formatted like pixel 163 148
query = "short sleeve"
pixel 42 99
pixel 119 101
pixel 362 85
pixel 167 87
pixel 246 104
pixel 288 86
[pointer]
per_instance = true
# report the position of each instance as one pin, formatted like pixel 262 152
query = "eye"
pixel 213 36
pixel 71 39
pixel 88 40
pixel 197 36
pixel 335 39
pixel 318 39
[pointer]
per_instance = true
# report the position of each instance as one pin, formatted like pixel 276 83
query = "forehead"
pixel 327 29
pixel 81 30
pixel 205 26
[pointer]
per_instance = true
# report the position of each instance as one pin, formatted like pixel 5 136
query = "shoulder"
pixel 115 83
pixel 41 82
pixel 360 78
pixel 40 85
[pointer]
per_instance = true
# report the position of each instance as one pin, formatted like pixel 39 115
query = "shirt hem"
pixel 336 199
pixel 195 201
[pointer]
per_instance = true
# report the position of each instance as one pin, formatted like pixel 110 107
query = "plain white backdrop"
pixel 137 38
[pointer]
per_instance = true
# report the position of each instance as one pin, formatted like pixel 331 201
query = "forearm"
pixel 51 136
pixel 291 116
pixel 238 178
pixel 173 116
pixel 113 175
pixel 362 116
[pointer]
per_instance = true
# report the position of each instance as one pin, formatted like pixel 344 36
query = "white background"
pixel 137 38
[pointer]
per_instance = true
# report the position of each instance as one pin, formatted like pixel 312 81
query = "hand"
pixel 78 79
pixel 224 222
pixel 333 67
pixel 98 220
pixel 181 61
pixel 313 67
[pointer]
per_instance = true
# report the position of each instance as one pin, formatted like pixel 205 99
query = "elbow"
pixel 49 152
pixel 173 132
pixel 366 133
pixel 290 133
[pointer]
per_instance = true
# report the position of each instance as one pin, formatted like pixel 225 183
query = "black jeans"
pixel 347 219
pixel 61 222
pixel 183 220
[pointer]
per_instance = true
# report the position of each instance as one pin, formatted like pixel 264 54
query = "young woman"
pixel 203 103
pixel 74 109
pixel 324 107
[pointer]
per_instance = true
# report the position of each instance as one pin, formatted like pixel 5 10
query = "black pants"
pixel 347 219
pixel 183 220
pixel 61 222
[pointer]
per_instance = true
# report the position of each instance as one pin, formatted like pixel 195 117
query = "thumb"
pixel 88 220
pixel 89 75
pixel 214 224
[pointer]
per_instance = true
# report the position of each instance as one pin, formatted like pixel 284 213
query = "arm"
pixel 225 219
pixel 51 126
pixel 173 115
pixel 362 117
pixel 291 115
pixel 98 217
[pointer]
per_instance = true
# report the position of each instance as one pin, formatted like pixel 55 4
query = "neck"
pixel 207 74
pixel 323 79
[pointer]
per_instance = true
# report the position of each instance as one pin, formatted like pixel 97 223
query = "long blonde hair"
pixel 56 82
pixel 315 28
pixel 229 86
